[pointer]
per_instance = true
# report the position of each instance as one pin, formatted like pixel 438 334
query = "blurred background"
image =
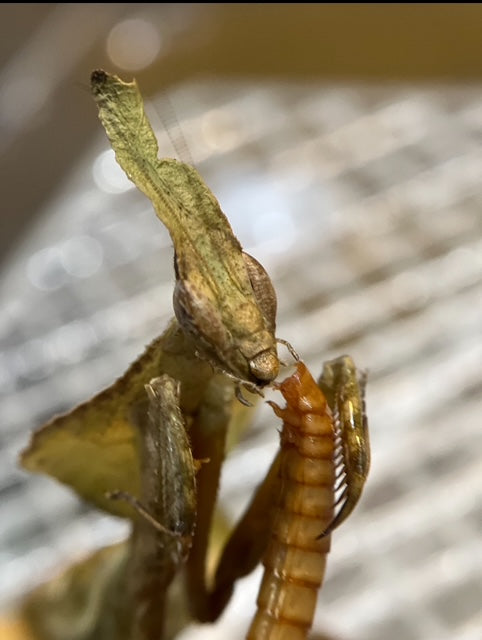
pixel 343 142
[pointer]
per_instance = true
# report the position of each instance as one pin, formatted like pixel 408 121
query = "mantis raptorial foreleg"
pixel 344 388
pixel 247 542
pixel 208 441
pixel 162 535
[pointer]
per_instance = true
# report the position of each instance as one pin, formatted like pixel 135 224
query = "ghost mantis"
pixel 151 446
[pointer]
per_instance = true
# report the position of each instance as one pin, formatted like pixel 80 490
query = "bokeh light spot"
pixel 81 256
pixel 133 44
pixel 108 176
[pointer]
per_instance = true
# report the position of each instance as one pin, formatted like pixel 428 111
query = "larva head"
pixel 301 392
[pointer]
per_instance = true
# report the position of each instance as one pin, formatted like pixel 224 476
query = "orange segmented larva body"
pixel 296 555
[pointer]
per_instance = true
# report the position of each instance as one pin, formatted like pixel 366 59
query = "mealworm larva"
pixel 344 389
pixel 296 555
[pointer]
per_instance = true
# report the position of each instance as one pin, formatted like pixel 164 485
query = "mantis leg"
pixel 247 542
pixel 208 443
pixel 163 530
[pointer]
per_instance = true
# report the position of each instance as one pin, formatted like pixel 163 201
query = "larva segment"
pixel 344 388
pixel 296 557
